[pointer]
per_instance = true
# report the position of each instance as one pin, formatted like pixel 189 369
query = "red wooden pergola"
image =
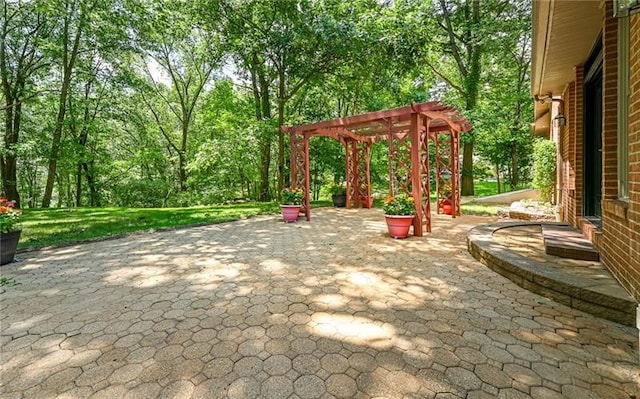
pixel 408 131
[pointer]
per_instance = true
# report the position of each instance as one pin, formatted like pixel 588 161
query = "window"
pixel 623 108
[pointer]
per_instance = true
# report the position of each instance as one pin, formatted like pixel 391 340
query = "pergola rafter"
pixel 408 132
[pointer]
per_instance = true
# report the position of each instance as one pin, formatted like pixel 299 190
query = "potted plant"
pixel 445 205
pixel 399 212
pixel 338 195
pixel 366 201
pixel 291 203
pixel 9 230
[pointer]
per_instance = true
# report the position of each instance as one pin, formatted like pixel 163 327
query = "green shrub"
pixel 544 167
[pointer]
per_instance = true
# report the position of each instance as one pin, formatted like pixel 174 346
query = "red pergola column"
pixel 416 181
pixel 426 174
pixel 299 145
pixel 455 178
pixel 364 170
pixel 352 173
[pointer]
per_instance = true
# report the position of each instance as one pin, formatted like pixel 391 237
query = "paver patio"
pixel 330 308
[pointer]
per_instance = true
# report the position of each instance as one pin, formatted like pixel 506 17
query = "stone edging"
pixel 574 291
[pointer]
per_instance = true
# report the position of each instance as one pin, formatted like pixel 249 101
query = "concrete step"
pixel 567 242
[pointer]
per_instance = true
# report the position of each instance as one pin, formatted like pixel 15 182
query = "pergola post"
pixel 364 171
pixel 426 174
pixel 416 181
pixel 455 181
pixel 352 173
pixel 307 179
pixel 299 145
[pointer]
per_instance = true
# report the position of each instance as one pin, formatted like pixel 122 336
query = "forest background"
pixel 156 103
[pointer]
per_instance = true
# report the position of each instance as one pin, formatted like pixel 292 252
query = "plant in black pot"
pixel 9 230
pixel 338 195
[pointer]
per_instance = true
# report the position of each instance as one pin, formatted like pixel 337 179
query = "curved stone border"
pixel 571 290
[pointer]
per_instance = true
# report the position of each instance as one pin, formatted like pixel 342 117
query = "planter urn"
pixel 367 202
pixel 399 225
pixel 339 200
pixel 8 246
pixel 290 213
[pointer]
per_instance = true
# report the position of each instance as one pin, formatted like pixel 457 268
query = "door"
pixel 592 144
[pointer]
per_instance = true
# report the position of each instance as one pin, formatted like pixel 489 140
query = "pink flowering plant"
pixel 292 196
pixel 9 216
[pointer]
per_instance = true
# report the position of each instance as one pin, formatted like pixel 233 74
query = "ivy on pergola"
pixel 408 131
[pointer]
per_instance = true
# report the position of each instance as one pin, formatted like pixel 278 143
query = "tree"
pixel 464 31
pixel 24 27
pixel 73 16
pixel 279 48
pixel 173 42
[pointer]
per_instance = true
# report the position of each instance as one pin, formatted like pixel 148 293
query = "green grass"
pixel 473 208
pixel 43 227
pixel 486 188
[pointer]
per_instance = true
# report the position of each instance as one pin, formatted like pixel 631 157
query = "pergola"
pixel 407 131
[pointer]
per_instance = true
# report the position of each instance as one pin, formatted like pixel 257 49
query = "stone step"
pixel 567 242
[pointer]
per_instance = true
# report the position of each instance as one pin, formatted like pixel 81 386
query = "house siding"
pixel 619 238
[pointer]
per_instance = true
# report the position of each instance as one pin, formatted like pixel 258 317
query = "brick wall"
pixel 619 243
pixel 621 219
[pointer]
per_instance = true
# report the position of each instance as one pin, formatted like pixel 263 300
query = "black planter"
pixel 339 201
pixel 8 246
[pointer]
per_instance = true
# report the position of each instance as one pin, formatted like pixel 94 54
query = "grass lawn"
pixel 42 227
pixel 486 188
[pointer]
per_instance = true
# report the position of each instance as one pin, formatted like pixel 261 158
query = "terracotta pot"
pixel 399 225
pixel 290 212
pixel 366 202
pixel 340 200
pixel 8 246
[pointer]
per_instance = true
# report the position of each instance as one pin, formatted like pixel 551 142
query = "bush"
pixel 292 196
pixel 337 189
pixel 399 205
pixel 544 167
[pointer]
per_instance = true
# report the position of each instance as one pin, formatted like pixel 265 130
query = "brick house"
pixel 586 84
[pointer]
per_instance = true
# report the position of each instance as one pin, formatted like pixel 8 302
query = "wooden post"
pixel 416 181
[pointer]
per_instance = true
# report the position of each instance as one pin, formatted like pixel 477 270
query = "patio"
pixel 332 308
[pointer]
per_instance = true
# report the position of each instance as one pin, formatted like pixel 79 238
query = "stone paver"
pixel 262 309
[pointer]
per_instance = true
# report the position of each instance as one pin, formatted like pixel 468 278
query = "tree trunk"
pixel 498 178
pixel 265 158
pixel 514 167
pixel 281 104
pixel 55 143
pixel 69 58
pixel 467 170
pixel 79 186
pixel 8 159
pixel 94 200
pixel 182 154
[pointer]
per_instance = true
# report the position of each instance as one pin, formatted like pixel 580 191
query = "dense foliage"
pixel 178 102
pixel 544 168
pixel 400 204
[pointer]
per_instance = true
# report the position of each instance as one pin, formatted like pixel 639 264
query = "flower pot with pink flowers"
pixel 9 230
pixel 399 212
pixel 291 204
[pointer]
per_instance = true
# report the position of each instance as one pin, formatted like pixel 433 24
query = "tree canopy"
pixel 176 102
